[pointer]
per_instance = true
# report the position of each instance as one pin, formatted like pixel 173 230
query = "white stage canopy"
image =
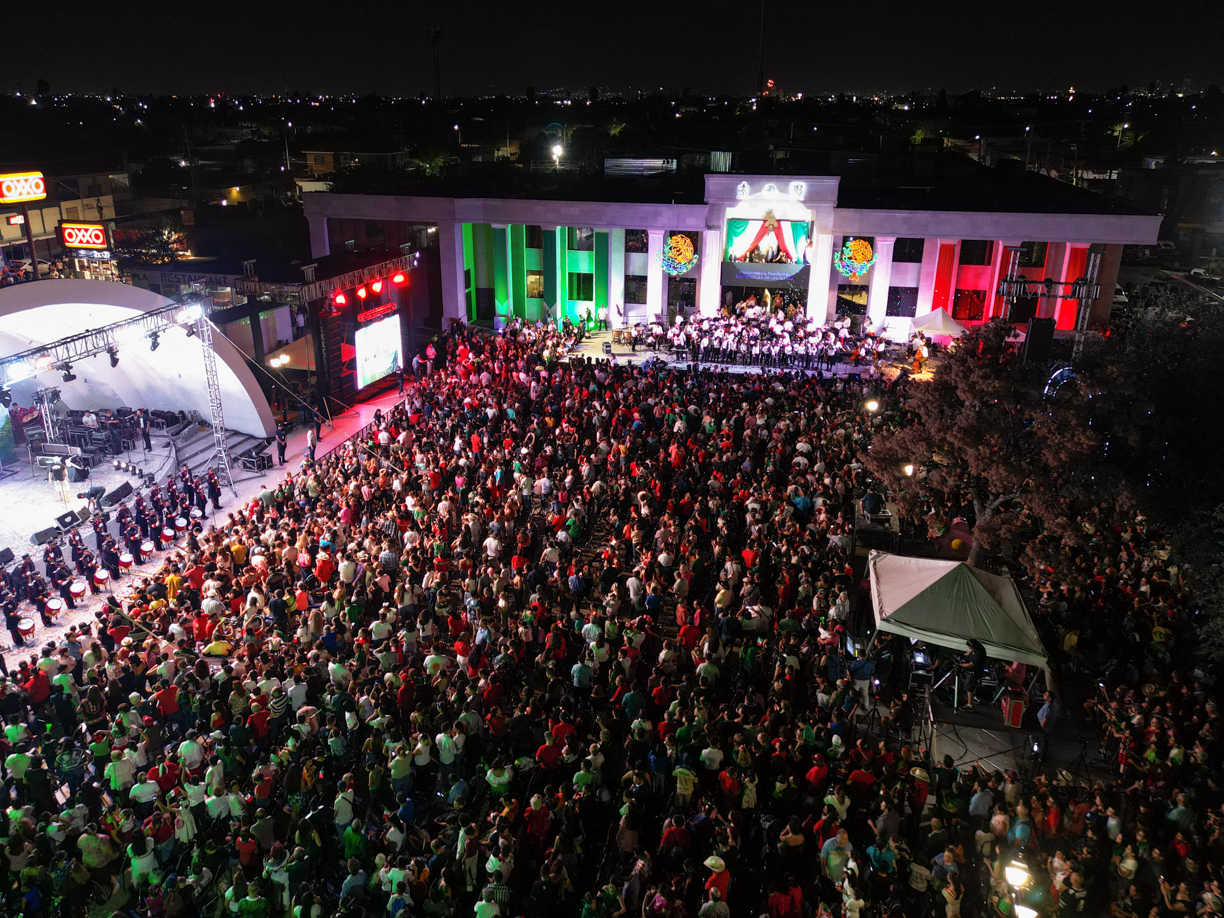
pixel 170 378
pixel 946 603
pixel 938 322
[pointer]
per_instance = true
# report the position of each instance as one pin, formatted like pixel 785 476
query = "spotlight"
pixel 1016 874
pixel 69 376
pixel 908 469
pixel 361 293
pixel 1023 911
pixel 18 371
pixel 872 405
pixel 43 363
pixel 376 286
pixel 341 299
pixel 114 355
pixel 116 463
pixel 188 314
pixel 398 278
pixel 154 340
pixel 6 397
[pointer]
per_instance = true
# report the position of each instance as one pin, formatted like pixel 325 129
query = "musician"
pixel 61 578
pixel 133 538
pixel 52 555
pixel 142 425
pixel 140 514
pixel 22 575
pixel 971 662
pixel 76 546
pixel 214 489
pixel 109 557
pixel 12 621
pixel 99 528
pixel 38 595
pixel 89 567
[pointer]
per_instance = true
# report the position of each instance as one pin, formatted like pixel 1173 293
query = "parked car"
pixel 44 266
pixel 1203 276
pixel 1120 298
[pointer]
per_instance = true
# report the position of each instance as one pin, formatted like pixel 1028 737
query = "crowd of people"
pixel 568 639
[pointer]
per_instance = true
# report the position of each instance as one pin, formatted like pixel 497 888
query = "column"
pixel 820 306
pixel 926 276
pixel 601 273
pixel 502 312
pixel 709 278
pixel 562 234
pixel 320 245
pixel 450 255
pixel 616 277
pixel 654 276
pixel 517 234
pixel 549 267
pixel 881 277
pixel 1062 263
pixel 996 307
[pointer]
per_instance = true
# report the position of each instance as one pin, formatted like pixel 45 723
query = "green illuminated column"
pixel 518 269
pixel 551 266
pixel 469 264
pixel 502 311
pixel 601 272
pixel 563 311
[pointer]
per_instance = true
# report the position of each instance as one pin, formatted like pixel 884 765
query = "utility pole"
pixel 435 41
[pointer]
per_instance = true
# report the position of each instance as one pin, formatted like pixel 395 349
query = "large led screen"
pixel 379 350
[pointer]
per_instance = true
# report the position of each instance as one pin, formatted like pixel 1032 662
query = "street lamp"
pixel 557 150
pixel 459 134
pixel 872 405
pixel 1124 127
pixel 908 469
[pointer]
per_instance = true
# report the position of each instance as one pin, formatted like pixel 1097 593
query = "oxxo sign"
pixel 83 236
pixel 18 187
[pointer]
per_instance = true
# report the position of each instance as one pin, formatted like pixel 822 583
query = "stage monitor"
pixel 379 350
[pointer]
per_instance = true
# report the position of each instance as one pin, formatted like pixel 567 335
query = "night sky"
pixel 495 47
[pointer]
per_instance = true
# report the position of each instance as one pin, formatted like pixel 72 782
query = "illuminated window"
pixel 581 239
pixel 535 283
pixel 635 288
pixel 969 305
pixel 1033 255
pixel 637 240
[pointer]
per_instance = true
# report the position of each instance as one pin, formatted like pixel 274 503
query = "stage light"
pixel 341 299
pixel 188 313
pixel 6 397
pixel 191 331
pixel 43 363
pixel 69 376
pixel 1023 911
pixel 376 286
pixel 116 463
pixel 361 293
pixel 908 469
pixel 1017 874
pixel 872 405
pixel 398 278
pixel 114 356
pixel 154 341
pixel 18 371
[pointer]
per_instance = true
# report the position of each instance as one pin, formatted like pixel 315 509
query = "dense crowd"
pixel 568 639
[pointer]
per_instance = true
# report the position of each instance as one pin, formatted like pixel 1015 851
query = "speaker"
pixel 118 495
pixel 44 536
pixel 6 556
pixel 67 520
pixel 1039 342
pixel 84 514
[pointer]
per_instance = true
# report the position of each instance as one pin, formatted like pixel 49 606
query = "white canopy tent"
pixel 938 322
pixel 945 603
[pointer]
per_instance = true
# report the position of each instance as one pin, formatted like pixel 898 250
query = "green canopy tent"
pixel 945 603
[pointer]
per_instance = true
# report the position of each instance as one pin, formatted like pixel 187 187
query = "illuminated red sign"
pixel 16 187
pixel 83 236
pixel 376 312
pixel 16 219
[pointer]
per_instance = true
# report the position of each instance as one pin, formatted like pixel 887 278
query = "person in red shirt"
pixel 38 688
pixel 258 722
pixel 166 699
pixel 166 774
pixel 675 836
pixel 548 754
pixel 719 879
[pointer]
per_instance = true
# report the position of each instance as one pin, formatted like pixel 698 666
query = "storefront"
pixel 86 251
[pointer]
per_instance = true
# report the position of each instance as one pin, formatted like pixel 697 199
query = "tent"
pixel 947 602
pixel 938 322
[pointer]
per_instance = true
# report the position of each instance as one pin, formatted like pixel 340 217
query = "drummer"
pixel 62 578
pixel 133 538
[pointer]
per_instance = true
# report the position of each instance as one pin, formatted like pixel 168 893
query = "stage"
pixel 30 503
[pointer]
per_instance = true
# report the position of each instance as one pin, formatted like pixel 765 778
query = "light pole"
pixel 1125 125
pixel 288 165
pixel 557 150
pixel 459 134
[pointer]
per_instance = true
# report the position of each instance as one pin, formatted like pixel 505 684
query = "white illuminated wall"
pixel 170 378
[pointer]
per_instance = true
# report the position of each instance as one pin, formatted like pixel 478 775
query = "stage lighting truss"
pixel 62 354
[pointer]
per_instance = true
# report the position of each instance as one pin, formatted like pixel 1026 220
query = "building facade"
pixel 548 259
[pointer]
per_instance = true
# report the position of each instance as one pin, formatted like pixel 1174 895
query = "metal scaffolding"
pixel 220 456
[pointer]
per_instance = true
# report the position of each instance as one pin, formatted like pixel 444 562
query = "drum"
pixel 197 513
pixel 102 578
pixel 167 535
pixel 125 561
pixel 180 526
pixel 25 628
pixel 77 589
pixel 54 607
pixel 146 548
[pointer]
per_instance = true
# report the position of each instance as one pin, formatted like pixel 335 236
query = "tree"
pixel 982 441
pixel 160 242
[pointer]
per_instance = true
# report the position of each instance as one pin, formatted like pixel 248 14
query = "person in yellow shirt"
pixel 238 551
pixel 174 583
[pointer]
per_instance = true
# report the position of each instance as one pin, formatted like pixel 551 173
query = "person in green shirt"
pixel 254 905
pixel 355 843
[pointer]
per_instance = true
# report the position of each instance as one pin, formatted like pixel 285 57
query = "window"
pixel 535 284
pixel 637 240
pixel 969 305
pixel 72 212
pixel 535 237
pixel 851 300
pixel 635 288
pixel 902 301
pixel 374 230
pixel 581 239
pixel 1033 255
pixel 582 286
pixel 319 159
pixel 908 251
pixel 976 251
pixel 467 278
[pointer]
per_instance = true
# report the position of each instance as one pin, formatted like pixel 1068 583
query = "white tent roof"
pixel 170 378
pixel 938 322
pixel 946 603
